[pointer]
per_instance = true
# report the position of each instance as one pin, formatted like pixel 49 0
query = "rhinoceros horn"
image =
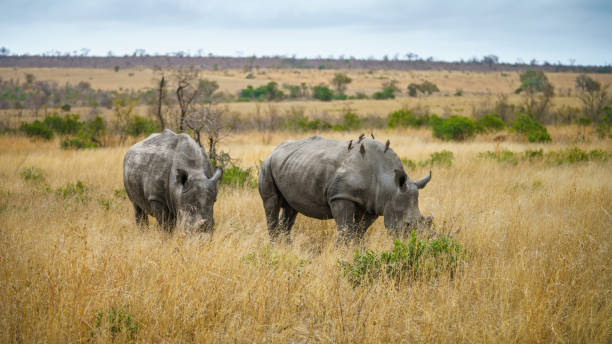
pixel 423 181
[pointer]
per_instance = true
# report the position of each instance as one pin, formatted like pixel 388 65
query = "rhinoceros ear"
pixel 400 178
pixel 181 176
pixel 218 173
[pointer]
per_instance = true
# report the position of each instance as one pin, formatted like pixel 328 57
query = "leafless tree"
pixel 207 119
pixel 186 91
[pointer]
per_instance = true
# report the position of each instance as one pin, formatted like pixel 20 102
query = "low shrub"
pixel 322 92
pixel 76 190
pixel 456 128
pixel 119 322
pixel 32 174
pixel 300 122
pixel 70 124
pixel 77 143
pixel 566 156
pixel 489 123
pixel 530 128
pixel 442 158
pixel 235 176
pixel 350 121
pixel 139 125
pixel 407 261
pixel 36 129
pixel 405 118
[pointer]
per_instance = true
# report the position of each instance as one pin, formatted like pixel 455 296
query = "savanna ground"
pixel 536 236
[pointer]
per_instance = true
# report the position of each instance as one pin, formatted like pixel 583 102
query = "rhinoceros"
pixel 352 182
pixel 170 177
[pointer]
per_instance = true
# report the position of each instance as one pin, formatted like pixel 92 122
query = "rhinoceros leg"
pixel 163 216
pixel 345 213
pixel 141 217
pixel 287 219
pixel 364 222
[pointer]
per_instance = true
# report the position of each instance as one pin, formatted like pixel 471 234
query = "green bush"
pixel 322 92
pixel 533 130
pixel 70 124
pixel 405 118
pixel 387 93
pixel 350 121
pixel 118 322
pixel 36 129
pixel 489 123
pixel 77 143
pixel 418 258
pixel 268 92
pixel 300 122
pixel 139 125
pixel 454 128
pixel 238 177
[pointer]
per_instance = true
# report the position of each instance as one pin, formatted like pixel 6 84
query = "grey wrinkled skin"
pixel 170 177
pixel 323 179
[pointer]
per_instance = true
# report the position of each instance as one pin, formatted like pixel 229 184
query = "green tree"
pixel 538 93
pixel 340 81
pixel 593 95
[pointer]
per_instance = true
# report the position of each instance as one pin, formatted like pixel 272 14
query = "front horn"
pixel 423 181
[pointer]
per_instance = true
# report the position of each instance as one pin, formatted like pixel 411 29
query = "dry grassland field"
pixel 535 239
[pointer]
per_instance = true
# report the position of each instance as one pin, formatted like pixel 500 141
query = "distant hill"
pixel 248 63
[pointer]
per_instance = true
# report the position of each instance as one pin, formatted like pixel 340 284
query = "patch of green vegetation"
pixel 443 158
pixel 350 121
pixel 565 156
pixel 76 190
pixel 417 258
pixel 32 174
pixel 457 128
pixel 120 193
pixel 489 123
pixel 119 322
pixel 235 176
pixel 405 118
pixel 532 129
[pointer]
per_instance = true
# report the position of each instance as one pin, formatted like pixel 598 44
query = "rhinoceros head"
pixel 194 196
pixel 402 212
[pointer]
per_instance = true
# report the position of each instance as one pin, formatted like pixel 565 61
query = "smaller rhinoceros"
pixel 170 177
pixel 352 182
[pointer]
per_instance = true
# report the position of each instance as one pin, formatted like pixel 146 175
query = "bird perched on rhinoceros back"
pixel 170 177
pixel 325 179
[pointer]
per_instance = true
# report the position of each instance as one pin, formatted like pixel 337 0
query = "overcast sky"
pixel 547 30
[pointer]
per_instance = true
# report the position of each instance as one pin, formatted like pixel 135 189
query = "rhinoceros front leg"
pixel 165 219
pixel 364 221
pixel 142 219
pixel 346 214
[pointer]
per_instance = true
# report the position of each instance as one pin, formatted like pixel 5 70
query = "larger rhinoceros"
pixel 170 177
pixel 352 182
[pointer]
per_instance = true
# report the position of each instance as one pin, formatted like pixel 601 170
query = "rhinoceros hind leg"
pixel 287 219
pixel 142 219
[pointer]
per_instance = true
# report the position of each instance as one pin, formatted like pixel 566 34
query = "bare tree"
pixel 161 98
pixel 208 119
pixel 186 91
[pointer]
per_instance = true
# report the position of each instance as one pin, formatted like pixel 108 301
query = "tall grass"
pixel 537 236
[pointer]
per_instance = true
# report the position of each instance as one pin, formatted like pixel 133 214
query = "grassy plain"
pixel 537 269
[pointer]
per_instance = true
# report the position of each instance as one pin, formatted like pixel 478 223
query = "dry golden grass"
pixel 538 270
pixel 234 80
